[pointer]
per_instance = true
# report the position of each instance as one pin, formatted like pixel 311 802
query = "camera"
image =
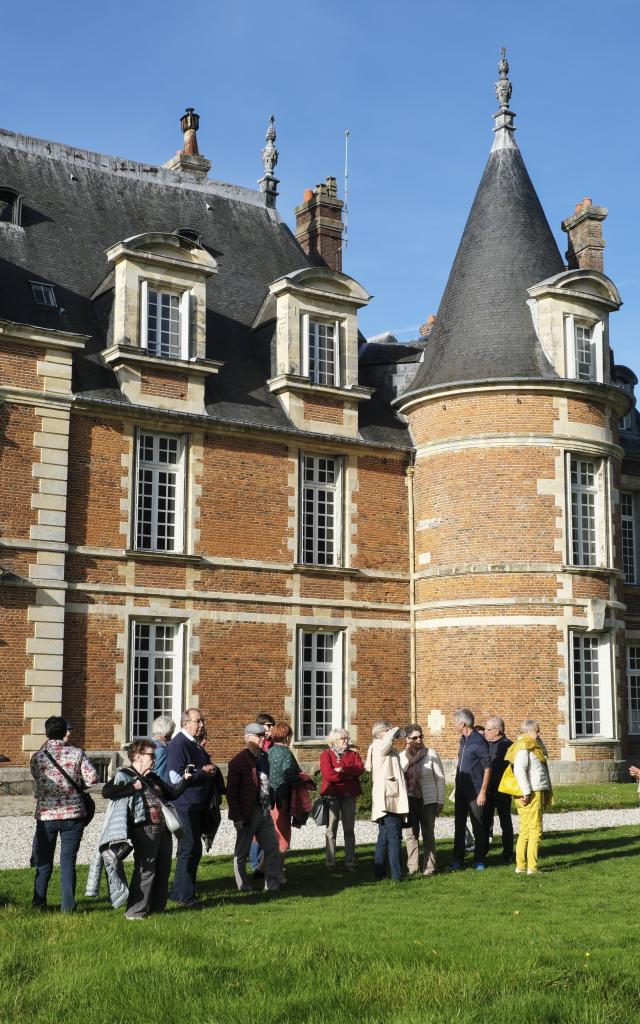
pixel 191 768
pixel 401 734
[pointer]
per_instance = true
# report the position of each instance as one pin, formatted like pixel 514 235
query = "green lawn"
pixel 560 948
pixel 566 798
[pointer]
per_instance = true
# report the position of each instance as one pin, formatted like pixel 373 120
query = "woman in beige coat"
pixel 389 802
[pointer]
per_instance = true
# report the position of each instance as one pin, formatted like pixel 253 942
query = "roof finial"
pixel 190 122
pixel 269 183
pixel 504 128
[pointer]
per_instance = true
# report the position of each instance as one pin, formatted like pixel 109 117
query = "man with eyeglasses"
pixel 191 805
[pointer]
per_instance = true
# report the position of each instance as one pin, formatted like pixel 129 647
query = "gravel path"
pixel 17 833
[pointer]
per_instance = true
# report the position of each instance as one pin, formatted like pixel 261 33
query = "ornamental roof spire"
pixel 269 183
pixel 504 128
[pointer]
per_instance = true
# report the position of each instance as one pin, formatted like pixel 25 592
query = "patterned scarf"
pixel 413 771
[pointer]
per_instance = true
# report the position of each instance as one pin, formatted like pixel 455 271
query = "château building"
pixel 217 493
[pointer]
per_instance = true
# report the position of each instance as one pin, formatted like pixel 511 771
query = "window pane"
pixel 633 677
pixel 322 368
pixel 319 510
pixel 584 490
pixel 155 664
pixel 163 324
pixel 318 675
pixel 159 486
pixel 586 684
pixel 628 537
pixel 584 352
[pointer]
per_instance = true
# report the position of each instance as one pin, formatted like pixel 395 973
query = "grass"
pixel 456 949
pixel 602 796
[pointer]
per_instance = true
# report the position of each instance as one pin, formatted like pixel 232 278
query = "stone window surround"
pixel 180 647
pixel 182 472
pixel 604 530
pixel 339 511
pixel 571 323
pixel 606 651
pixel 337 691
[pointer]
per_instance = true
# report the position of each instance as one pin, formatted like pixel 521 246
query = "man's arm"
pixel 481 798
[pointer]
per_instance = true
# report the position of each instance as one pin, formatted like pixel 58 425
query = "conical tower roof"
pixel 484 330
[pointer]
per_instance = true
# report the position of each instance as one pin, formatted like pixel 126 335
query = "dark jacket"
pixel 243 783
pixel 346 782
pixel 473 760
pixel 183 751
pixel 497 750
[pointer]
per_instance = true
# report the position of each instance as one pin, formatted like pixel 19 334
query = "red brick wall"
pixel 469 415
pixel 15 630
pixel 96 447
pixel 383 666
pixel 324 410
pixel 18 365
pixel 244 503
pixel 18 424
pixel 166 383
pixel 381 514
pixel 89 684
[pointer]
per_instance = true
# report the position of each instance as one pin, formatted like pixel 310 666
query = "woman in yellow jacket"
pixel 528 756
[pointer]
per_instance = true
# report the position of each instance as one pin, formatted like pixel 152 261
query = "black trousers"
pixel 188 855
pixel 466 807
pixel 500 802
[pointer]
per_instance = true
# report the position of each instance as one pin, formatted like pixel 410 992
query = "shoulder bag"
pixel 169 813
pixel 85 796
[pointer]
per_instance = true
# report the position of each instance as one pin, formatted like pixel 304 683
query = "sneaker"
pixel 519 871
pixel 455 865
pixel 245 887
pixel 536 872
pixel 135 917
pixel 479 866
pixel 351 868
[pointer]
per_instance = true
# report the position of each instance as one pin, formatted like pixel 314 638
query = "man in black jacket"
pixel 500 802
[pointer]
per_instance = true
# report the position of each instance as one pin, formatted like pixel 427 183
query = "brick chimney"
pixel 188 158
pixel 319 225
pixel 426 328
pixel 584 232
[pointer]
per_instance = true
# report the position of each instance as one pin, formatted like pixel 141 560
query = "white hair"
pixel 337 734
pixel 465 716
pixel 163 726
pixel 380 727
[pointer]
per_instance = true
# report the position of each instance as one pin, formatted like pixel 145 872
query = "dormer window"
pixel 584 352
pixel 164 322
pixel 190 234
pixel 10 206
pixel 44 294
pixel 584 340
pixel 321 341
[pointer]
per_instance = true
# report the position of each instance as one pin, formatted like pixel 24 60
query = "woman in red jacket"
pixel 341 769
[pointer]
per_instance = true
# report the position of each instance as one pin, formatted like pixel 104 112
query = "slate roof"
pixel 483 329
pixel 77 204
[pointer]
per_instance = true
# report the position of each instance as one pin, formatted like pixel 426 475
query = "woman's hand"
pixel 137 784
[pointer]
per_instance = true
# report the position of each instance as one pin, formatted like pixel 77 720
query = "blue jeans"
pixel 389 844
pixel 44 848
pixel 255 854
pixel 183 888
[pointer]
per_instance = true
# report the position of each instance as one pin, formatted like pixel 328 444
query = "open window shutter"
pixel 337 695
pixel 144 310
pixel 336 352
pixel 185 324
pixel 305 341
pixel 570 346
pixel 598 346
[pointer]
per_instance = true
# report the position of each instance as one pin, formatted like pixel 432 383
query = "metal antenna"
pixel 346 187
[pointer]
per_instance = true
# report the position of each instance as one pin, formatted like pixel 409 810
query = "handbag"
pixel 320 811
pixel 85 796
pixel 509 783
pixel 169 813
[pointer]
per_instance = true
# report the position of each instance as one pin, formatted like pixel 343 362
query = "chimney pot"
pixel 319 225
pixel 308 195
pixel 426 328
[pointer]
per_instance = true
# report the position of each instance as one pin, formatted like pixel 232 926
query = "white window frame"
pixel 184 317
pixel 629 536
pixel 597 347
pixel 633 689
pixel 318 489
pixel 604 645
pixel 157 467
pixel 337 686
pixel 307 320
pixel 174 706
pixel 41 291
pixel 602 509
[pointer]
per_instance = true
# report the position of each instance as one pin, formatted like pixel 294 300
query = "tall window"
pixel 321 354
pixel 320 683
pixel 633 680
pixel 164 322
pixel 584 352
pixel 627 508
pixel 159 511
pixel 584 508
pixel 156 674
pixel 591 685
pixel 320 509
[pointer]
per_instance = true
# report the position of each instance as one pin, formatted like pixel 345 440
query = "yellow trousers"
pixel 530 832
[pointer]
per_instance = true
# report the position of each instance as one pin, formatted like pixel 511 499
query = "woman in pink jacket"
pixel 341 768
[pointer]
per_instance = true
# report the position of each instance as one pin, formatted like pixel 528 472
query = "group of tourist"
pixel 172 787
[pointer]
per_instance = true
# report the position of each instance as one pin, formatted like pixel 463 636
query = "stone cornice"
pixel 592 391
pixel 307 389
pixel 28 334
pixel 121 354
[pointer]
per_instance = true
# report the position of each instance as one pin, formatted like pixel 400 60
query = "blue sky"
pixel 412 81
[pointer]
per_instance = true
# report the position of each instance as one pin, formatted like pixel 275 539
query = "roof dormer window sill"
pixel 305 387
pixel 121 353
